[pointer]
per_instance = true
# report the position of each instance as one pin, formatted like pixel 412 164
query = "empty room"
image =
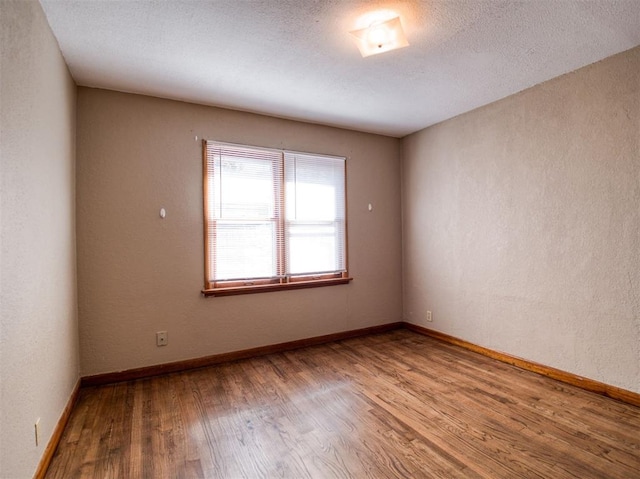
pixel 320 239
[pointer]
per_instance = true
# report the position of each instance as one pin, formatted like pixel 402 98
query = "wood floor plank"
pixel 450 431
pixel 390 405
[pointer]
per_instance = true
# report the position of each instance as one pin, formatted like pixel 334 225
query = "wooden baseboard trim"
pixel 52 445
pixel 587 384
pixel 160 369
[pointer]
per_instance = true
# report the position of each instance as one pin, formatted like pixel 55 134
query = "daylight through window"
pixel 273 219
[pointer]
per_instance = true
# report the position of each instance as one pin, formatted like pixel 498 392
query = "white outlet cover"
pixel 162 339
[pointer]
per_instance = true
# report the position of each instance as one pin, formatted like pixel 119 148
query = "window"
pixel 273 219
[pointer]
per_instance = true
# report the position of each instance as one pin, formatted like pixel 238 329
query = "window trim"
pixel 228 288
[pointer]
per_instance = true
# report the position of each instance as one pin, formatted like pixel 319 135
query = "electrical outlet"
pixel 37 431
pixel 161 338
pixel 429 318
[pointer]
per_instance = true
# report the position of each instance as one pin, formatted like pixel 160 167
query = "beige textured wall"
pixel 139 274
pixel 38 326
pixel 521 223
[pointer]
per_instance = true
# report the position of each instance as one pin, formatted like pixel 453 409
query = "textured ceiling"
pixel 295 58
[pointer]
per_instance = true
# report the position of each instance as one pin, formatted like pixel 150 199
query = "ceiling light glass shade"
pixel 380 37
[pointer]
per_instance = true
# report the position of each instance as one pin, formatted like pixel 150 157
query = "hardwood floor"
pixel 396 404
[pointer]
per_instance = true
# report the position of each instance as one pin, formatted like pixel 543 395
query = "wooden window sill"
pixel 266 288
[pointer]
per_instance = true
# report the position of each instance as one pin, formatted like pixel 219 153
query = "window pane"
pixel 244 250
pixel 244 187
pixel 315 188
pixel 313 248
pixel 315 236
pixel 244 207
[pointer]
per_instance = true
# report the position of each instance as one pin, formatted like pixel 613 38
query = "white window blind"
pixel 244 210
pixel 315 214
pixel 272 215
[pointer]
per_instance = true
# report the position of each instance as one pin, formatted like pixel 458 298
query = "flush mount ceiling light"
pixel 380 37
